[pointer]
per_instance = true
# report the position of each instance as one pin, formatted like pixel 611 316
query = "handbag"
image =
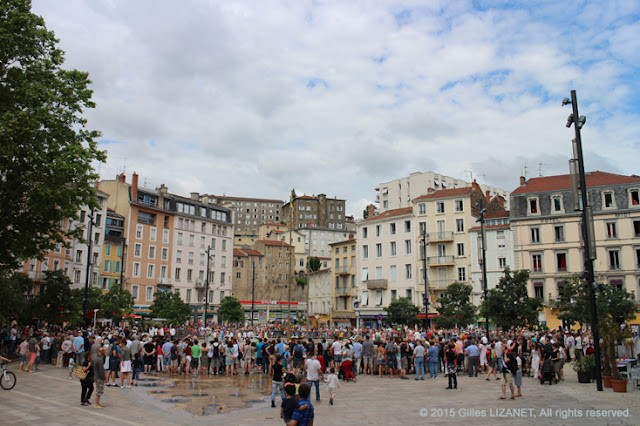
pixel 79 373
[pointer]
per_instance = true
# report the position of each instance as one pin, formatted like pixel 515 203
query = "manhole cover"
pixel 177 399
pixel 199 394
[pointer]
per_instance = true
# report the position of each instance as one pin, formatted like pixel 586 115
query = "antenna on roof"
pixel 540 168
pixel 524 172
pixel 468 173
pixel 484 175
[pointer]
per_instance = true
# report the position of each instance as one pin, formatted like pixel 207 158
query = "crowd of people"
pixel 328 356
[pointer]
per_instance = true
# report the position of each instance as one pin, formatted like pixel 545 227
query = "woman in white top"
pixel 535 359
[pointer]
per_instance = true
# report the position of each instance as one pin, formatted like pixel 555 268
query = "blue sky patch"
pixel 312 83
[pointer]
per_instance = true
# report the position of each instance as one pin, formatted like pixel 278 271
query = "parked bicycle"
pixel 7 379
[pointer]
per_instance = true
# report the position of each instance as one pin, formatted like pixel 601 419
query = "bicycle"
pixel 7 379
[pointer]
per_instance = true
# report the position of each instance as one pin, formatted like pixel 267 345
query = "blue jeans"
pixel 277 385
pixel 317 383
pixel 433 369
pixel 419 363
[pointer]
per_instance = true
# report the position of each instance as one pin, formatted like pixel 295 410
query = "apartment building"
pixel 315 212
pixel 344 275
pixel 250 213
pixel 547 234
pixel 499 252
pixel 318 241
pixel 113 251
pixel 385 258
pixel 320 300
pixel 401 192
pixel 248 284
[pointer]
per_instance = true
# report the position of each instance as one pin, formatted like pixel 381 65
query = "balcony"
pixel 345 291
pixel 438 284
pixel 440 260
pixel 344 270
pixel 381 284
pixel 440 236
pixel 37 276
pixel 199 283
pixel 165 282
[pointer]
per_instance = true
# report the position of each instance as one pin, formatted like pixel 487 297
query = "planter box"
pixel 619 385
pixel 606 381
pixel 584 376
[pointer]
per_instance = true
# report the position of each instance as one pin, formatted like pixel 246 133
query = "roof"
pixel 224 197
pixel 274 243
pixel 560 182
pixel 497 214
pixel 478 228
pixel 390 213
pixel 453 192
pixel 246 252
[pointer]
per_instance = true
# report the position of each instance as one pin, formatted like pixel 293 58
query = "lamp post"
pixel 253 288
pixel 485 290
pixel 581 202
pixel 206 287
pixel 426 280
pixel 95 315
pixel 86 281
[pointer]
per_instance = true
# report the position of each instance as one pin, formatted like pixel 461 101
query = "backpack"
pixel 216 351
pixel 108 351
pixel 297 352
pixel 391 348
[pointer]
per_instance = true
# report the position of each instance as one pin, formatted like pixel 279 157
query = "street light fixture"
pixel 86 281
pixel 483 239
pixel 587 221
pixel 426 279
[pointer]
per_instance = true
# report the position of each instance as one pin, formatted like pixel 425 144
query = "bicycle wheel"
pixel 8 380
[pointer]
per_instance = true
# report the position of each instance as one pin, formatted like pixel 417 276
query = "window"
pixel 502 263
pixel 407 246
pixel 556 204
pixel 151 271
pixel 462 274
pixel 392 248
pixel 202 242
pixel 202 257
pixel 190 259
pixel 459 205
pixel 163 271
pixel 561 262
pixel 535 235
pixel 165 253
pixel 365 232
pixel 365 298
pixel 533 206
pixel 617 283
pixel 608 201
pixel 559 232
pixel 224 245
pixel 189 275
pixel 179 256
pixel 614 259
pixel 147 218
pixel 378 230
pixel 409 294
pixel 152 252
pixel 636 228
pixel 500 239
pixel 179 238
pixel 77 275
pixel 177 274
pixel 422 208
pixel 139 232
pixel 136 269
pixel 188 297
pixel 637 250
pixel 392 228
pixel 165 236
pixel 222 275
pixel 365 252
pixel 378 272
pixel 78 256
pixel 153 233
pixel 394 294
pixel 634 198
pixel 460 249
pixel 536 262
pixel 538 289
pixel 611 230
pixel 459 225
pixel 440 207
pixel 378 297
pixel 422 226
pixel 149 293
pixel 365 274
pixel 408 274
pixel 393 273
pixel 407 226
pixel 378 250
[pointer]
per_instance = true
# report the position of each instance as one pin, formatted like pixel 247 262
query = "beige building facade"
pixel 344 277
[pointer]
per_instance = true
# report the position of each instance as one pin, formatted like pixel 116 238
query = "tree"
pixel 231 310
pixel 55 304
pixel 314 264
pixel 169 305
pixel 509 305
pixel 116 303
pixel 94 296
pixel 456 309
pixel 46 153
pixel 14 299
pixel 402 311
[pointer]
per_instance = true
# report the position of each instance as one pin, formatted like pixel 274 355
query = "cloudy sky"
pixel 252 98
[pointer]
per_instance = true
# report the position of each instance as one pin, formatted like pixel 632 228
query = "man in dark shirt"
pixel 277 380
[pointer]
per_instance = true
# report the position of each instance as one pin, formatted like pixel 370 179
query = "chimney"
pixel 121 178
pixel 523 181
pixel 500 200
pixel 134 187
pixel 370 210
pixel 488 195
pixel 195 196
pixel 475 186
pixel 163 189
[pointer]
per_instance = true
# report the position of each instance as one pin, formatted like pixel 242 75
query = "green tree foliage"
pixel 302 282
pixel 509 305
pixel 231 310
pixel 170 306
pixel 14 299
pixel 94 296
pixel 46 151
pixel 116 303
pixel 314 264
pixel 402 311
pixel 56 304
pixel 455 307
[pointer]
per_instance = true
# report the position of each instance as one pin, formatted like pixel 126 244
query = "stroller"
pixel 546 372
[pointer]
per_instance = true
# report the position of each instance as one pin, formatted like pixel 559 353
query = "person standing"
pixel 509 366
pixel 33 353
pixel 99 377
pixel 276 381
pixel 149 350
pixel 45 342
pixel 125 364
pixel 474 356
pixel 87 382
pixel 78 348
pixel 432 355
pixel 357 356
pixel 314 373
pixel 452 370
pixel 418 360
pixel 367 355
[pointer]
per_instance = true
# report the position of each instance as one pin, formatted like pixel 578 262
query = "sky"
pixel 254 98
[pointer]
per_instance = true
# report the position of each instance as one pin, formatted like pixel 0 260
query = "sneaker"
pixel 129 387
pixel 72 378
pixel 273 404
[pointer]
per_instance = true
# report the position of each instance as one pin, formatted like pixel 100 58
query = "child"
pixel 301 415
pixel 333 383
pixel 137 368
pixel 290 403
pixel 72 363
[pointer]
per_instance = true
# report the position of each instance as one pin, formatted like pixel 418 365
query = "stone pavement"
pixel 49 397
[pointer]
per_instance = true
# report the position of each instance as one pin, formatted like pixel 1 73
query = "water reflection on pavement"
pixel 203 396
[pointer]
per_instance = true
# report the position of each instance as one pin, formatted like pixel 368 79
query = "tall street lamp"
pixel 86 281
pixel 483 240
pixel 426 280
pixel 581 203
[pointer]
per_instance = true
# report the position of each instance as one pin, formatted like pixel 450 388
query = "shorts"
pixel 148 360
pixel 114 364
pixel 405 363
pixel 136 374
pixel 332 391
pixel 297 363
pixel 99 387
pixel 507 379
pixel 174 362
pixel 32 357
pixel 337 359
pixel 392 363
pixel 23 357
pixel 195 363
pixel 166 361
pixel 368 360
pixel 125 366
pixel 381 361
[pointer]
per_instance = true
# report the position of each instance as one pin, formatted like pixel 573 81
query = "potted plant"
pixel 584 367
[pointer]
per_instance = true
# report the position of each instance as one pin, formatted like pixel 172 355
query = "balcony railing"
pixel 439 284
pixel 380 284
pixel 344 270
pixel 345 291
pixel 199 283
pixel 440 236
pixel 440 260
